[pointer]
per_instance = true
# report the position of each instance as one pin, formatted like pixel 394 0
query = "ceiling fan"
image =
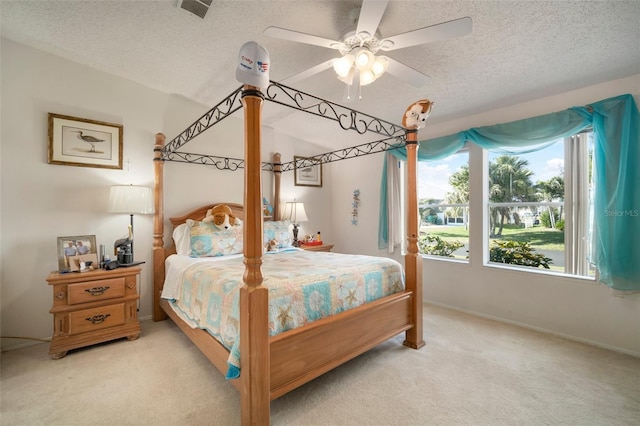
pixel 358 46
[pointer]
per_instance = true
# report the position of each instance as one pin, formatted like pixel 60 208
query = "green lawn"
pixel 538 236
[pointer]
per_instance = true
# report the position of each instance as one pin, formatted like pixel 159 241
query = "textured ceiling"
pixel 517 51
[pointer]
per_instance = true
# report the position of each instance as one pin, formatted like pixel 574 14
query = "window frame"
pixel 478 224
pixel 466 148
pixel 576 206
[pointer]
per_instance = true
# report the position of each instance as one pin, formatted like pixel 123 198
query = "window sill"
pixel 541 271
pixel 444 259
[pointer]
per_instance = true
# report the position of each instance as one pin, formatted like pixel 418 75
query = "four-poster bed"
pixel 274 365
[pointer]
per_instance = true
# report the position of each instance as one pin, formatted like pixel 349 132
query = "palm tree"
pixel 460 195
pixel 509 181
pixel 549 190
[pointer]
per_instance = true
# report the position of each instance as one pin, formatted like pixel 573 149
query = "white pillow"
pixel 182 239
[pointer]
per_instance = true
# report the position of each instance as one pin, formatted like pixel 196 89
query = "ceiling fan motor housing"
pixel 350 40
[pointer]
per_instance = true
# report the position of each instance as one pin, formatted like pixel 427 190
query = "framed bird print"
pixel 85 143
pixel 308 172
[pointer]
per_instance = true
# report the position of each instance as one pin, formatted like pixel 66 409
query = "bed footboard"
pixel 301 355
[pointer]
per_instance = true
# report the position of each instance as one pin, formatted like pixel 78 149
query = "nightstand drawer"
pixel 91 291
pixel 96 318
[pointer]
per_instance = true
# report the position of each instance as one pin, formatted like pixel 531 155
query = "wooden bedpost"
pixel 413 260
pixel 277 174
pixel 255 358
pixel 158 229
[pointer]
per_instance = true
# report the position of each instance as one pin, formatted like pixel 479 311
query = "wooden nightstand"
pixel 93 307
pixel 323 247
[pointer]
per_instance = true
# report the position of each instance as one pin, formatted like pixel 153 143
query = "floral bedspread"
pixel 303 287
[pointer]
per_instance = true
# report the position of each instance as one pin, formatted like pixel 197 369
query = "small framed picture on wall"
pixel 308 172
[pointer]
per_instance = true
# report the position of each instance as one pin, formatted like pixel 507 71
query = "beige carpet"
pixel 472 371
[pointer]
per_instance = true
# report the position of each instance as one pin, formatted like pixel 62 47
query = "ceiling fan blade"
pixel 308 73
pixel 302 37
pixel 406 73
pixel 442 31
pixel 371 13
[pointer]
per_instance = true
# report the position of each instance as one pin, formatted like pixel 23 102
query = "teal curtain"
pixel 616 231
pixel 616 125
pixel 383 221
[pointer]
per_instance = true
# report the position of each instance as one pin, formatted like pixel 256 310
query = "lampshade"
pixel 130 199
pixel 294 211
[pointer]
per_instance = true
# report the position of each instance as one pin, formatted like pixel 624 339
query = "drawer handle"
pixel 97 291
pixel 97 319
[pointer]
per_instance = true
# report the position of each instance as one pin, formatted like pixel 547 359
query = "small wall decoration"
pixel 267 208
pixel 354 207
pixel 77 251
pixel 85 143
pixel 307 172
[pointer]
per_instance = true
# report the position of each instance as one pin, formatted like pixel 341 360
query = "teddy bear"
pixel 222 217
pixel 272 245
pixel 415 117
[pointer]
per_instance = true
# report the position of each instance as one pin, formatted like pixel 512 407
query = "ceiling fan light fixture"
pixel 366 77
pixel 380 66
pixel 343 65
pixel 364 59
pixel 363 63
pixel 347 79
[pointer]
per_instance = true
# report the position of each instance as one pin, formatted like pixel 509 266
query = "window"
pixel 443 194
pixel 536 211
pixel 538 207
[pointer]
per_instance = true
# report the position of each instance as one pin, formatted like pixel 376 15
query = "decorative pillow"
pixel 208 240
pixel 182 239
pixel 279 231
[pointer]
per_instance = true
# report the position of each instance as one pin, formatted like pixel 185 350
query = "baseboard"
pixel 27 343
pixel 48 339
pixel 535 328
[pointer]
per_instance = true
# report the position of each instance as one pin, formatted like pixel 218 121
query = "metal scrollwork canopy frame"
pixel 394 136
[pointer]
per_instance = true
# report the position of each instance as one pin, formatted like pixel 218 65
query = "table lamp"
pixel 294 211
pixel 130 199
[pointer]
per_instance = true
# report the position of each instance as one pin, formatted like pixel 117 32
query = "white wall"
pixel 40 201
pixel 571 307
pixel 317 200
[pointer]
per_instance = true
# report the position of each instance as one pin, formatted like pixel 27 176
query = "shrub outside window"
pixel 443 195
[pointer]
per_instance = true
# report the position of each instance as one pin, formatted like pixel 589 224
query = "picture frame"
pixel 307 172
pixel 76 251
pixel 81 142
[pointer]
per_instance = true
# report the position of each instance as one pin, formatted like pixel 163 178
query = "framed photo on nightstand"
pixel 76 251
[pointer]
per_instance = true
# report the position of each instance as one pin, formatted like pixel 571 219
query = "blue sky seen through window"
pixel 433 176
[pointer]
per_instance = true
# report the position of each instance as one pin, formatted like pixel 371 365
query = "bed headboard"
pixel 198 214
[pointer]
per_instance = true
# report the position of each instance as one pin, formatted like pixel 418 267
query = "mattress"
pixel 304 287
